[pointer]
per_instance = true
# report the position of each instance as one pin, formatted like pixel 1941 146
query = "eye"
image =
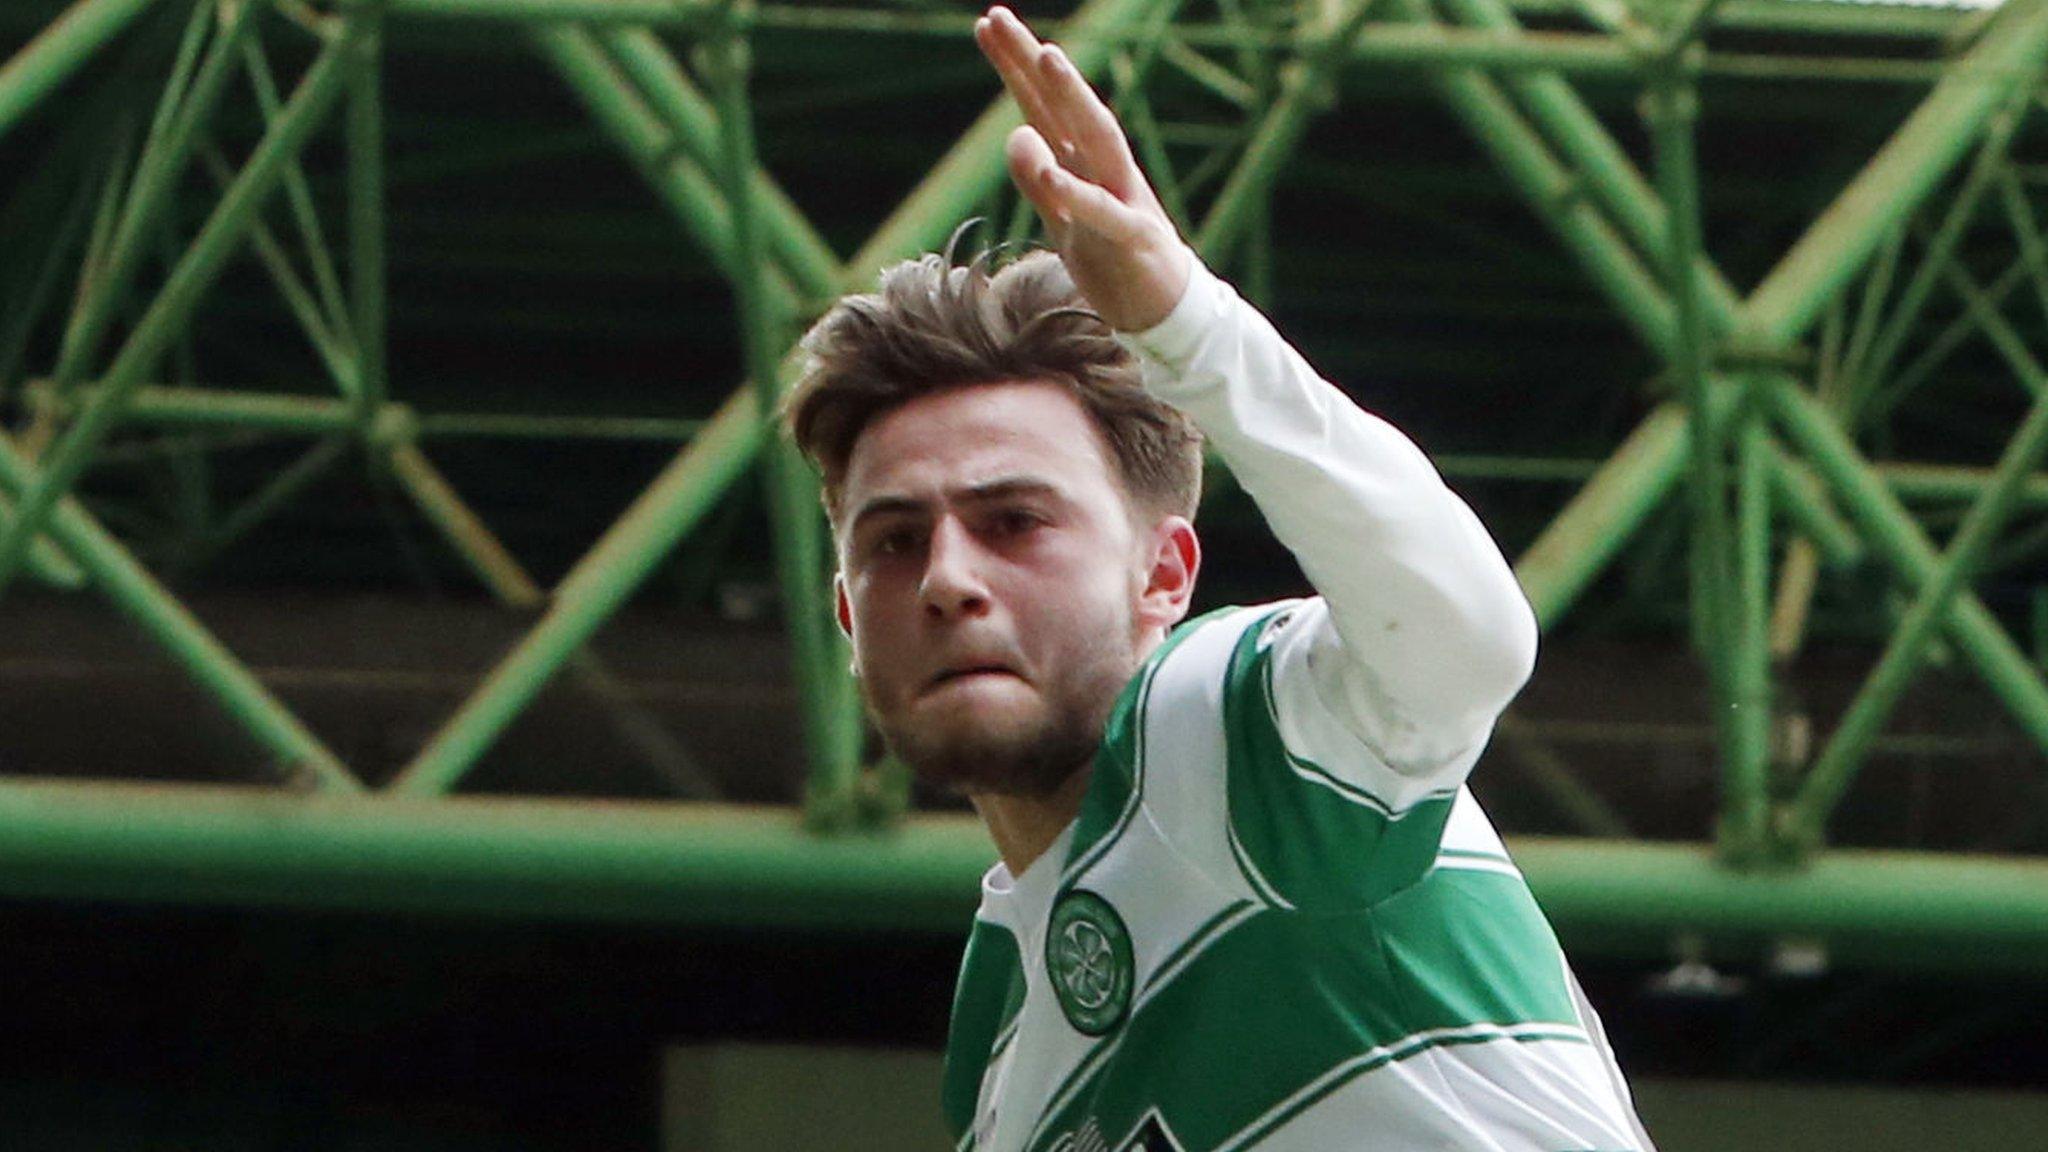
pixel 894 542
pixel 1015 522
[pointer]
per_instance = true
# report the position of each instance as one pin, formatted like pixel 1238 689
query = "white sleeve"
pixel 1427 635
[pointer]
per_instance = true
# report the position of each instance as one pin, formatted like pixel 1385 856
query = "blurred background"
pixel 421 726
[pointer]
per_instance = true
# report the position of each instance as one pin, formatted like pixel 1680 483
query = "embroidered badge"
pixel 1088 957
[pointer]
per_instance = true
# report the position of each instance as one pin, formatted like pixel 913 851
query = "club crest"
pixel 1088 957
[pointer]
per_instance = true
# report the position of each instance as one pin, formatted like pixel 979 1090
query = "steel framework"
pixel 1770 400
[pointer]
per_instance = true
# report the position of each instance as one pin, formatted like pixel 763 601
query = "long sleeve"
pixel 1428 635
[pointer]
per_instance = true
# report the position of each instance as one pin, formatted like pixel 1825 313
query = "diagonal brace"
pixel 725 448
pixel 156 611
pixel 1866 715
pixel 202 263
pixel 58 51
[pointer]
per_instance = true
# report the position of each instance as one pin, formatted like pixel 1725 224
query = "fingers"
pixel 1097 137
pixel 1014 52
pixel 1064 200
pixel 1058 101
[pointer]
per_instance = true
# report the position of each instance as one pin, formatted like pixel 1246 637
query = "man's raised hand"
pixel 1071 160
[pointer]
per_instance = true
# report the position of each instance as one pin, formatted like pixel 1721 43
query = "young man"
pixel 1244 899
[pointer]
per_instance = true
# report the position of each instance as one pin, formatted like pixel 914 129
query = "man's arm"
pixel 1435 634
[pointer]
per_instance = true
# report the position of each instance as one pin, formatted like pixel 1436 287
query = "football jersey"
pixel 1259 934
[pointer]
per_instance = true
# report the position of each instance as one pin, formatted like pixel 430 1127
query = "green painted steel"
pixel 1726 392
pixel 691 193
pixel 1302 82
pixel 707 864
pixel 974 165
pixel 1887 342
pixel 174 133
pixel 45 561
pixel 62 49
pixel 300 756
pixel 1802 499
pixel 1746 747
pixel 1718 589
pixel 1903 545
pixel 367 320
pixel 2006 59
pixel 587 597
pixel 1877 909
pixel 298 195
pixel 798 249
pixel 282 489
pixel 831 713
pixel 641 12
pixel 1600 161
pixel 173 306
pixel 1596 524
pixel 1836 765
pixel 700 476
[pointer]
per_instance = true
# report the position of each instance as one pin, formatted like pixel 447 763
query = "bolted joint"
pixel 875 800
pixel 1669 101
pixel 391 426
pixel 45 403
pixel 1794 839
pixel 300 777
pixel 831 810
pixel 883 794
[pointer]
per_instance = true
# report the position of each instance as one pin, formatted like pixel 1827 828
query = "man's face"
pixel 996 589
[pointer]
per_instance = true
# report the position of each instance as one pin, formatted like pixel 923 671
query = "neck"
pixel 1023 827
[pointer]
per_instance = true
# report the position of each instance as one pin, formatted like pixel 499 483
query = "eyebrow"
pixel 986 492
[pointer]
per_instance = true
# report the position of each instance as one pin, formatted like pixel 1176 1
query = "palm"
pixel 1072 161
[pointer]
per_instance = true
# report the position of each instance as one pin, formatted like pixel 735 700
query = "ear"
pixel 842 608
pixel 1174 561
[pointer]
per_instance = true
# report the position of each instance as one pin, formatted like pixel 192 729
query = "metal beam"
pixel 833 727
pixel 1903 545
pixel 1866 715
pixel 174 133
pixel 688 488
pixel 721 453
pixel 217 241
pixel 691 194
pixel 58 51
pixel 300 755
pixel 756 867
pixel 1899 178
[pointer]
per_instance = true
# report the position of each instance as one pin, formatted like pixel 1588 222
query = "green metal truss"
pixel 1768 399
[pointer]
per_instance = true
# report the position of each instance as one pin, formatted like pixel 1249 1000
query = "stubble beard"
pixel 1029 756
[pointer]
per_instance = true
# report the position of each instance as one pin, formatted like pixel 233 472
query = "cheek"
pixel 881 626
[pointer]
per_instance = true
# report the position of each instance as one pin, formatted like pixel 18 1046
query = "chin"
pixel 986 755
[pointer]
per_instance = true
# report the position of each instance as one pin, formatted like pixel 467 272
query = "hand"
pixel 1071 160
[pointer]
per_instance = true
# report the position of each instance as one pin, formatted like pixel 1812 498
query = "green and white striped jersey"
pixel 1280 921
pixel 1258 934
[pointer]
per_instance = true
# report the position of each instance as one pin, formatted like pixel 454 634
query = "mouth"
pixel 966 672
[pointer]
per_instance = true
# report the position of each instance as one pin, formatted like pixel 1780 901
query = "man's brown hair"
pixel 935 326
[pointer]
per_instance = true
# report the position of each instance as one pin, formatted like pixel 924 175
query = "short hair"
pixel 934 326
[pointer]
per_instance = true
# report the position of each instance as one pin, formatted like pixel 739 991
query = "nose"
pixel 952 584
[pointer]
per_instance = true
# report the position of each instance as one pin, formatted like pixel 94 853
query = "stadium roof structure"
pixel 1727 316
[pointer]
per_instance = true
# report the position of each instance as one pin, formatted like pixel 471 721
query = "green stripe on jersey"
pixel 985 1002
pixel 1279 1000
pixel 1468 947
pixel 1319 1090
pixel 1325 846
pixel 1118 781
